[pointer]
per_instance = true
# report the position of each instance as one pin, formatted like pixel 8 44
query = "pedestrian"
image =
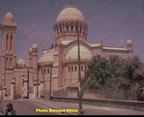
pixel 10 110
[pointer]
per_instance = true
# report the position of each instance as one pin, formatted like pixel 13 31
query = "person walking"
pixel 10 110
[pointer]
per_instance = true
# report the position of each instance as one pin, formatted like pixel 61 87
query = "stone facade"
pixel 59 62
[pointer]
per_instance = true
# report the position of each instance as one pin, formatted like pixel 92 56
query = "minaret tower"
pixel 8 28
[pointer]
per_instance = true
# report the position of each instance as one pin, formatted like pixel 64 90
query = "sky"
pixel 113 20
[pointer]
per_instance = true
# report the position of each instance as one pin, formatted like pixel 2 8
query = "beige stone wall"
pixel 20 75
pixel 9 75
pixel 69 75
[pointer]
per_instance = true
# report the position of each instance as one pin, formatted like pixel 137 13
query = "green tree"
pixel 134 70
pixel 114 73
pixel 98 72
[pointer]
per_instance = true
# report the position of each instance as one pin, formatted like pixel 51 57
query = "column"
pixel 1 92
pixel 35 90
pixel 39 94
pixel 12 89
pixel 41 87
pixel 25 88
pixel 4 92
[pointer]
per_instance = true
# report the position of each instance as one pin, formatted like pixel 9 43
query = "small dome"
pixel 70 13
pixel 9 17
pixel 35 46
pixel 21 62
pixel 129 43
pixel 44 51
pixel 30 50
pixel 72 54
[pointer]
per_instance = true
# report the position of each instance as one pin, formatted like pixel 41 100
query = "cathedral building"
pixel 57 67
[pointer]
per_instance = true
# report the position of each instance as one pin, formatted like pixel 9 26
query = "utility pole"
pixel 4 72
pixel 50 83
pixel 79 71
pixel 28 82
pixel 143 4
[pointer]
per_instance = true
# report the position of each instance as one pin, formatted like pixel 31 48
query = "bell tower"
pixel 8 28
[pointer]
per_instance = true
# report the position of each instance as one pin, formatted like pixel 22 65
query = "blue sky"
pixel 114 20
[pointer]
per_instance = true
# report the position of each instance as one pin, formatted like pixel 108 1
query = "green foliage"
pixel 98 71
pixel 114 72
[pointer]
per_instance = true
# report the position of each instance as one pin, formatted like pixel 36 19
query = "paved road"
pixel 24 107
pixel 101 110
pixel 28 107
pixel 91 109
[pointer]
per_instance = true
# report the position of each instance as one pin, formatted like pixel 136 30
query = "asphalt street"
pixel 27 108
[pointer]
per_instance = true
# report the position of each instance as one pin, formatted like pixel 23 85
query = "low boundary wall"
pixel 123 103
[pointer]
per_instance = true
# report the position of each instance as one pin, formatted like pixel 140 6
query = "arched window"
pixel 81 68
pixel 7 41
pixel 69 69
pixel 75 68
pixel 60 27
pixel 56 29
pixel 56 45
pixel 11 42
pixel 67 27
pixel 52 46
pixel 72 68
pixel 6 61
pixel 48 71
pixel 44 71
pixel 72 28
pixel 85 67
pixel 84 30
pixel 10 60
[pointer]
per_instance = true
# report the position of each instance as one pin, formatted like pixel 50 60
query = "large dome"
pixel 47 57
pixel 72 54
pixel 21 62
pixel 70 12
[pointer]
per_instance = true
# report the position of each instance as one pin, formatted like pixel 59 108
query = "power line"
pixel 95 6
pixel 50 15
pixel 91 17
pixel 124 24
pixel 25 36
pixel 41 42
pixel 41 23
pixel 39 16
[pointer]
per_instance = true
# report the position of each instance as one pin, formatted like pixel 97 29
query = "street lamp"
pixel 79 72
